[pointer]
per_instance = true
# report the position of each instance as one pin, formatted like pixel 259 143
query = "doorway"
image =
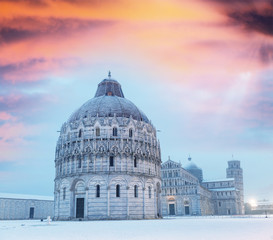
pixel 171 209
pixel 31 213
pixel 187 210
pixel 80 208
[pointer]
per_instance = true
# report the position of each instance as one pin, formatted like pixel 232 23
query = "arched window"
pixel 80 133
pixel 150 191
pixel 97 131
pixel 136 191
pixel 64 193
pixel 111 161
pixel 98 191
pixel 118 190
pixel 135 161
pixel 115 132
pixel 130 132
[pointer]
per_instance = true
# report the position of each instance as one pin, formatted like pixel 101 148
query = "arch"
pixel 80 187
pixel 150 182
pixel 101 149
pixel 136 181
pixel 75 183
pixel 88 149
pixel 118 180
pixel 97 180
pixel 127 151
pixel 114 150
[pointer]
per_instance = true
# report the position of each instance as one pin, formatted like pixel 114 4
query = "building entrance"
pixel 171 209
pixel 187 210
pixel 80 208
pixel 31 213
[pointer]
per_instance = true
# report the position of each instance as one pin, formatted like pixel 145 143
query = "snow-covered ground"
pixel 188 228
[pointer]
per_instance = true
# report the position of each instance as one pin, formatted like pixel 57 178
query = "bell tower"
pixel 235 171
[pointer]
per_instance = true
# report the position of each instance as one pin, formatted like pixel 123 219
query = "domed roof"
pixel 191 165
pixel 109 101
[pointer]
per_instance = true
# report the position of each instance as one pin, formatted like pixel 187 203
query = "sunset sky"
pixel 201 70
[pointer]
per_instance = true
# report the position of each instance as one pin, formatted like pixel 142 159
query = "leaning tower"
pixel 235 171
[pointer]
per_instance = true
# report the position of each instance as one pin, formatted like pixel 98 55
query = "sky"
pixel 201 70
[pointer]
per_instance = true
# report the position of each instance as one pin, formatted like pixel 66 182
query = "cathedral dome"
pixel 109 101
pixel 194 170
pixel 191 165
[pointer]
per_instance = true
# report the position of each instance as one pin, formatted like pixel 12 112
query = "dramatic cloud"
pixel 32 70
pixel 34 3
pixel 266 53
pixel 255 21
pixel 253 16
pixel 22 28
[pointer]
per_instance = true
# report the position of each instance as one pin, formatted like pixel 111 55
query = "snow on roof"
pixel 222 189
pixel 23 196
pixel 219 180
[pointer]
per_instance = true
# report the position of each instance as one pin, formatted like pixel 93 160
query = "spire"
pixel 169 158
pixel 109 74
pixel 189 158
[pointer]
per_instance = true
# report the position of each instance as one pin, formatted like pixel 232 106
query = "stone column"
pixel 128 209
pixel 155 202
pixel 108 201
pixel 144 208
pixel 86 204
pixel 72 204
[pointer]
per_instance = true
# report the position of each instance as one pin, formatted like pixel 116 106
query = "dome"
pixel 109 101
pixel 191 166
pixel 194 170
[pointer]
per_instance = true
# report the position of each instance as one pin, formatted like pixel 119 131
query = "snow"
pixel 22 196
pixel 189 228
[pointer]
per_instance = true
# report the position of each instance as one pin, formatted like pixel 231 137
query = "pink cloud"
pixel 6 116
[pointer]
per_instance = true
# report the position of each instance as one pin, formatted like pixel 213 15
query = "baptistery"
pixel 107 160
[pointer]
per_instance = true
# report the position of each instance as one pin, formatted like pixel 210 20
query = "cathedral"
pixel 184 192
pixel 107 161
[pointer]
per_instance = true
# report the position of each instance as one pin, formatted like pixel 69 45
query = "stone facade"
pixel 15 207
pixel 108 161
pixel 184 193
